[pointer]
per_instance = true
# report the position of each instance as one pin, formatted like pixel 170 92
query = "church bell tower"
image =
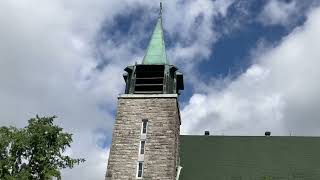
pixel 145 141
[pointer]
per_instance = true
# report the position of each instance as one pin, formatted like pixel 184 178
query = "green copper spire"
pixel 156 52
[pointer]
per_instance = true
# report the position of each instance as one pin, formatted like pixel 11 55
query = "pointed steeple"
pixel 155 75
pixel 156 52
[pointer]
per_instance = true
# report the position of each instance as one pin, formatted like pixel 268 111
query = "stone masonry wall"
pixel 162 139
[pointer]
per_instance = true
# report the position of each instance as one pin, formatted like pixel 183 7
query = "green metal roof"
pixel 156 52
pixel 249 158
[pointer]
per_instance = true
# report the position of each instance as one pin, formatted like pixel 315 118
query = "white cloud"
pixel 44 52
pixel 193 29
pixel 48 63
pixel 279 12
pixel 286 13
pixel 279 93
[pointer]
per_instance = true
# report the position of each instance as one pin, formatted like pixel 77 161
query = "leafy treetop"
pixel 36 151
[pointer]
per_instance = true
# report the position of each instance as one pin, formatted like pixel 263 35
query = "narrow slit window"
pixel 142 145
pixel 140 170
pixel 144 126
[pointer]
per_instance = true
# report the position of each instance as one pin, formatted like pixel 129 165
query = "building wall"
pixel 162 138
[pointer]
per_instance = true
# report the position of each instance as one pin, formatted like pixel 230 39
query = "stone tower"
pixel 145 142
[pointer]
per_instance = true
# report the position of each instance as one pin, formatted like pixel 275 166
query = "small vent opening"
pixel 206 133
pixel 267 133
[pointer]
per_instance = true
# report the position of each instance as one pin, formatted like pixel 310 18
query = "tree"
pixel 36 151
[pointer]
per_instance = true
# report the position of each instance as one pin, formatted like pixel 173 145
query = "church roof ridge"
pixel 247 136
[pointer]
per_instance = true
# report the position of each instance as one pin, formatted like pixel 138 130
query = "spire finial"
pixel 161 8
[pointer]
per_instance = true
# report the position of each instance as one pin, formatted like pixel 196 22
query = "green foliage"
pixel 34 152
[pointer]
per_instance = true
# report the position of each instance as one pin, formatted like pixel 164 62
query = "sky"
pixel 249 66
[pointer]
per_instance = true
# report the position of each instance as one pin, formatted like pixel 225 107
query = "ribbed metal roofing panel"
pixel 249 158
